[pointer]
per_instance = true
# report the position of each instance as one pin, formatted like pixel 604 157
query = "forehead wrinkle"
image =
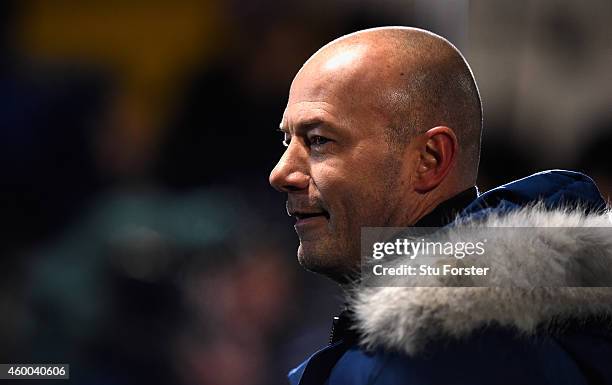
pixel 296 115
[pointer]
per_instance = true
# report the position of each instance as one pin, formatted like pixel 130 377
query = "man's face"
pixel 338 170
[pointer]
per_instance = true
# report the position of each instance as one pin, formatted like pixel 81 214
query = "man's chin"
pixel 328 264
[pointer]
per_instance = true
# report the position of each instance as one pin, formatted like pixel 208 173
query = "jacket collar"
pixel 409 318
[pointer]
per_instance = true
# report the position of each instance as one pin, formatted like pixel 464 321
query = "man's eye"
pixel 318 140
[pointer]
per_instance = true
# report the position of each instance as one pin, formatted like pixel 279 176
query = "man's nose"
pixel 291 171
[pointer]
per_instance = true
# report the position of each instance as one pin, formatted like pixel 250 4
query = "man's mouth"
pixel 304 218
pixel 305 215
pixel 308 214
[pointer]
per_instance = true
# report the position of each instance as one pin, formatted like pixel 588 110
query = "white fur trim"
pixel 407 318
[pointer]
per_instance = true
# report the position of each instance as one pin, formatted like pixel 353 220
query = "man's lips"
pixel 309 221
pixel 302 215
pixel 308 213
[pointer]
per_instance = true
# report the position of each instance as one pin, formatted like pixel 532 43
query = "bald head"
pixel 414 79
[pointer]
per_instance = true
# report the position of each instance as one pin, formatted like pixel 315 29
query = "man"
pixel 382 128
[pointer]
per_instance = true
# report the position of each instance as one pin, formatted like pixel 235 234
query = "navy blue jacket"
pixel 578 351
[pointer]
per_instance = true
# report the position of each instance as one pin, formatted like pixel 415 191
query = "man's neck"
pixel 445 212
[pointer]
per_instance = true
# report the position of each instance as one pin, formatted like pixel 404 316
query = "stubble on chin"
pixel 330 262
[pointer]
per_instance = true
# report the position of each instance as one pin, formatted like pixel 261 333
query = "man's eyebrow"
pixel 306 125
pixel 310 124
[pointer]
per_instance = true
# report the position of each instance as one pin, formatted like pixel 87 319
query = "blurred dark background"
pixel 141 242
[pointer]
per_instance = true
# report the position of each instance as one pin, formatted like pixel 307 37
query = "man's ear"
pixel 436 158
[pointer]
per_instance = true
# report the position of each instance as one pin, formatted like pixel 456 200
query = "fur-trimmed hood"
pixel 406 319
